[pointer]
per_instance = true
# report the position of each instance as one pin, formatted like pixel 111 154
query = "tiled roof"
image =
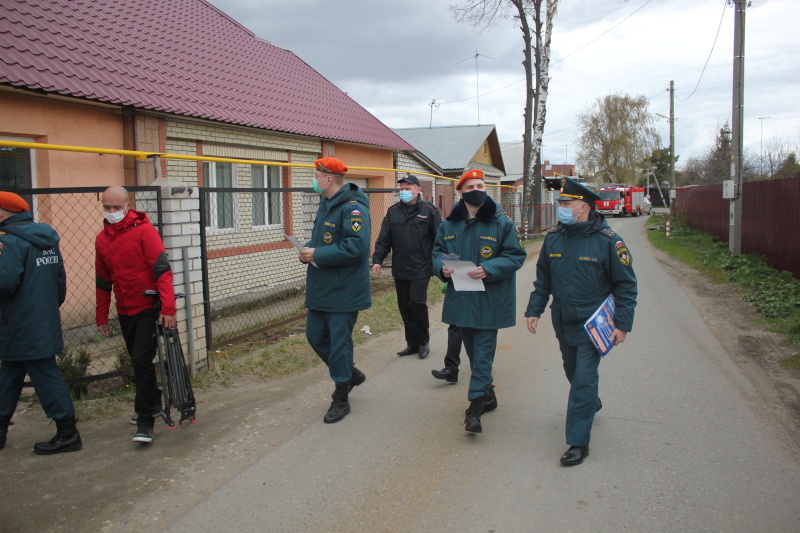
pixel 178 56
pixel 450 147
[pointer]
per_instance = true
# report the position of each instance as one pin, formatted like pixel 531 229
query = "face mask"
pixel 317 189
pixel 474 197
pixel 115 217
pixel 406 196
pixel 565 215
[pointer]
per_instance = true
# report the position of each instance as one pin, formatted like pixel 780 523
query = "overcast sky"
pixel 395 58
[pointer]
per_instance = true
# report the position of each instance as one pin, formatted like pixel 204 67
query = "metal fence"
pixel 76 214
pixel 770 218
pixel 252 278
pixel 532 220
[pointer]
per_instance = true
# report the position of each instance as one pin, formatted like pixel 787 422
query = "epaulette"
pixel 553 230
pixel 508 217
pixel 608 233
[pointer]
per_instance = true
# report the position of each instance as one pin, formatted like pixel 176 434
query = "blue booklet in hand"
pixel 600 326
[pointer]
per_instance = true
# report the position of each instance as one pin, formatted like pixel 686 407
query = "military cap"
pixel 331 165
pixel 409 178
pixel 572 190
pixel 13 202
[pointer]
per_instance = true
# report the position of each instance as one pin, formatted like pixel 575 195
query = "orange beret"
pixel 331 165
pixel 474 174
pixel 13 202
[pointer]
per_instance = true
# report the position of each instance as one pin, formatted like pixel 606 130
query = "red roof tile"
pixel 184 57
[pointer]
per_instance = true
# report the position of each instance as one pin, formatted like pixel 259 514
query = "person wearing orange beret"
pixel 478 230
pixel 33 285
pixel 337 279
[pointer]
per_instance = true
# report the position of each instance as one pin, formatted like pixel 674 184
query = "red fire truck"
pixel 621 200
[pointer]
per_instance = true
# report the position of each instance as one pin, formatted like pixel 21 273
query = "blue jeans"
pixel 47 381
pixel 480 345
pixel 331 337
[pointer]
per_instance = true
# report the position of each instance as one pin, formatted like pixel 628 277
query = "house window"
pixel 16 168
pixel 222 210
pixel 266 205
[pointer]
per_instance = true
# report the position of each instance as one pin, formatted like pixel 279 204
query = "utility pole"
pixel 737 136
pixel 671 136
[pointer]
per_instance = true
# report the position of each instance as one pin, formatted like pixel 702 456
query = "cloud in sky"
pixel 396 58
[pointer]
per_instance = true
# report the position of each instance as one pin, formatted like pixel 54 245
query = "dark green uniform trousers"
pixel 581 364
pixel 331 337
pixel 480 345
pixel 47 382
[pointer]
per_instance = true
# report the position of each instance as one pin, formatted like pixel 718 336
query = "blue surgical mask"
pixel 566 215
pixel 406 196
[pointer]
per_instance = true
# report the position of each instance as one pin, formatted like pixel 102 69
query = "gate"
pixel 76 214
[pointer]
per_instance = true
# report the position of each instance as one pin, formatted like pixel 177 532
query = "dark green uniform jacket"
pixel 490 240
pixel 341 239
pixel 33 285
pixel 580 265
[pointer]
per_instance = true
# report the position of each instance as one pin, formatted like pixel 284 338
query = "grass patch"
pixel 776 295
pixel 792 364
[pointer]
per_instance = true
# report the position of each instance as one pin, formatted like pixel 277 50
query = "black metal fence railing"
pixel 252 278
pixel 76 214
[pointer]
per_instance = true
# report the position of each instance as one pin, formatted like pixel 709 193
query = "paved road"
pixel 675 447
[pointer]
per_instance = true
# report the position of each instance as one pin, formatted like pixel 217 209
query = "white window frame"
pixel 274 179
pixel 210 174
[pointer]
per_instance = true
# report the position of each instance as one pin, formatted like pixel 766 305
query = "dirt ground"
pixel 115 485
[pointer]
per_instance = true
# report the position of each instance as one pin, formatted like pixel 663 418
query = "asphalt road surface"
pixel 675 448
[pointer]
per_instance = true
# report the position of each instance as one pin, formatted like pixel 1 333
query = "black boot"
pixel 67 439
pixel 4 420
pixel 472 421
pixel 357 378
pixel 339 407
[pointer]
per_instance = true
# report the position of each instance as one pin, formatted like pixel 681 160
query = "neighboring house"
pixel 184 78
pixel 455 149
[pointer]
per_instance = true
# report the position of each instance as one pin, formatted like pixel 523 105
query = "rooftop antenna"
pixel 477 76
pixel 433 105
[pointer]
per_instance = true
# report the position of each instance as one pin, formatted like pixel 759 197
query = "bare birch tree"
pixel 537 29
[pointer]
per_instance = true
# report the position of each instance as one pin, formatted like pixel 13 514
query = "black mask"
pixel 474 197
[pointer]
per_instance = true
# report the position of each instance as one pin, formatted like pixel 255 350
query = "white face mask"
pixel 115 217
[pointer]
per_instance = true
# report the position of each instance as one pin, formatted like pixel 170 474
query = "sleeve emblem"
pixel 624 256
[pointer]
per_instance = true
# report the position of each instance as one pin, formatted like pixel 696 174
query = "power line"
pixel 709 55
pixel 559 61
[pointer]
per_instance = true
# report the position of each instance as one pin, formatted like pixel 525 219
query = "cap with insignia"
pixel 572 190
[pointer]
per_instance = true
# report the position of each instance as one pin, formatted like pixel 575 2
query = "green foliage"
pixel 776 295
pixel 74 363
pixel 123 363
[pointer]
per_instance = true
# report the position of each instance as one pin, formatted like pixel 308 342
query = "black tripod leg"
pixel 164 367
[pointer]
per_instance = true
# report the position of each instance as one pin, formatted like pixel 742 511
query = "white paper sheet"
pixel 297 244
pixel 460 277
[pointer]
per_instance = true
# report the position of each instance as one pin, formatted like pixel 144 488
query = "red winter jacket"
pixel 130 257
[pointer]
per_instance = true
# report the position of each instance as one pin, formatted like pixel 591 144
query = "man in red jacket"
pixel 130 258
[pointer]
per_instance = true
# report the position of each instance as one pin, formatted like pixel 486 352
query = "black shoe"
pixel 357 378
pixel 340 407
pixel 472 420
pixel 575 455
pixel 447 374
pixel 134 421
pixel 599 405
pixel 67 439
pixel 410 350
pixel 144 434
pixel 424 351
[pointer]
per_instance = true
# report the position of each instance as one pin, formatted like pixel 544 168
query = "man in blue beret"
pixel 581 262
